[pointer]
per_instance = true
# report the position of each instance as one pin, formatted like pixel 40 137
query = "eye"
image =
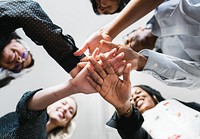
pixel 71 111
pixel 64 102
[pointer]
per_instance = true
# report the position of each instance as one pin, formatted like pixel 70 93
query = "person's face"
pixel 62 111
pixel 139 39
pixel 142 100
pixel 107 6
pixel 15 57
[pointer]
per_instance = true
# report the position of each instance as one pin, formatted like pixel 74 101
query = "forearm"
pixel 128 127
pixel 29 16
pixel 171 70
pixel 135 10
pixel 44 98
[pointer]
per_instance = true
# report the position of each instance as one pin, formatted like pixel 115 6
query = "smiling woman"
pixel 45 112
pixel 14 57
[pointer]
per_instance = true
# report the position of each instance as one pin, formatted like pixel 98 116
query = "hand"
pixel 94 42
pixel 80 73
pixel 137 61
pixel 113 89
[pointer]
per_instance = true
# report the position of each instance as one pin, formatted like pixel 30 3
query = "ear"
pixel 155 99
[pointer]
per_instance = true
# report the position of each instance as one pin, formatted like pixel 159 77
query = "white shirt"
pixel 170 119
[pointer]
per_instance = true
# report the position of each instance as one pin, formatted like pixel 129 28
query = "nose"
pixel 127 40
pixel 19 59
pixel 135 95
pixel 65 108
pixel 101 9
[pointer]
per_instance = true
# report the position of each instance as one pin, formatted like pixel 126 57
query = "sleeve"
pixel 29 16
pixel 191 8
pixel 129 128
pixel 22 111
pixel 171 70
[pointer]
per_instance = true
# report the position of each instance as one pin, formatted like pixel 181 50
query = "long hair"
pixel 64 132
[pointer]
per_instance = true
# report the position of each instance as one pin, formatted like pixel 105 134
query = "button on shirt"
pixel 29 16
pixel 178 29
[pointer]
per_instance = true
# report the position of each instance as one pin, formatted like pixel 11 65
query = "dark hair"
pixel 3 42
pixel 122 4
pixel 152 92
pixel 5 81
pixel 7 39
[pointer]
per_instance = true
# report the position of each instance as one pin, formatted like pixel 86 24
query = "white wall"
pixel 77 18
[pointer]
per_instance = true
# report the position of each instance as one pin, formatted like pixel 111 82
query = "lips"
pixel 139 102
pixel 61 113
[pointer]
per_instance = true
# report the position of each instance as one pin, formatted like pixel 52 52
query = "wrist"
pixel 126 111
pixel 142 60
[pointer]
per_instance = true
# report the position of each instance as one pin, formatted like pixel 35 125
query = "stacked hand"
pixel 105 80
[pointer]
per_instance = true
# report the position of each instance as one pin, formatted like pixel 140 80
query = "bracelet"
pixel 129 111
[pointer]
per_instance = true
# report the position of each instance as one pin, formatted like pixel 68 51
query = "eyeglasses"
pixel 24 56
pixel 19 66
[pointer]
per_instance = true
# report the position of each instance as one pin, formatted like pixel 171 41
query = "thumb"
pixel 81 50
pixel 107 44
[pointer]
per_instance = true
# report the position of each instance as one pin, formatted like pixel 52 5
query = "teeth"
pixel 139 103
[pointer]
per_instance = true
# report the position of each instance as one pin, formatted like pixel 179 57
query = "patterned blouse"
pixel 23 123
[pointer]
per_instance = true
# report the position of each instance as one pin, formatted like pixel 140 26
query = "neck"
pixel 50 126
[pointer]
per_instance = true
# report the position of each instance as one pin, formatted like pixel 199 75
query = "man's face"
pixel 15 57
pixel 142 100
pixel 107 6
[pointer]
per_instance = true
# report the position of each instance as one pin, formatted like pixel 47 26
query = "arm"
pixel 78 84
pixel 45 97
pixel 171 70
pixel 127 119
pixel 134 10
pixel 29 16
pixel 129 127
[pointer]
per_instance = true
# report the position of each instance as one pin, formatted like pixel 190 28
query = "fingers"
pixel 111 53
pixel 106 64
pixel 82 64
pixel 95 79
pixel 98 69
pixel 126 73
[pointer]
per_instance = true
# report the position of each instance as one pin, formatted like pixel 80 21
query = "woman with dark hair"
pixel 147 114
pixel 108 6
pixel 14 57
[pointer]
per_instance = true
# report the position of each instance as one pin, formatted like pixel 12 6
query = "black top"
pixel 23 123
pixel 36 24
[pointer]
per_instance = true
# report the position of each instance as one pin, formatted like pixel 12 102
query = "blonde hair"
pixel 63 132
